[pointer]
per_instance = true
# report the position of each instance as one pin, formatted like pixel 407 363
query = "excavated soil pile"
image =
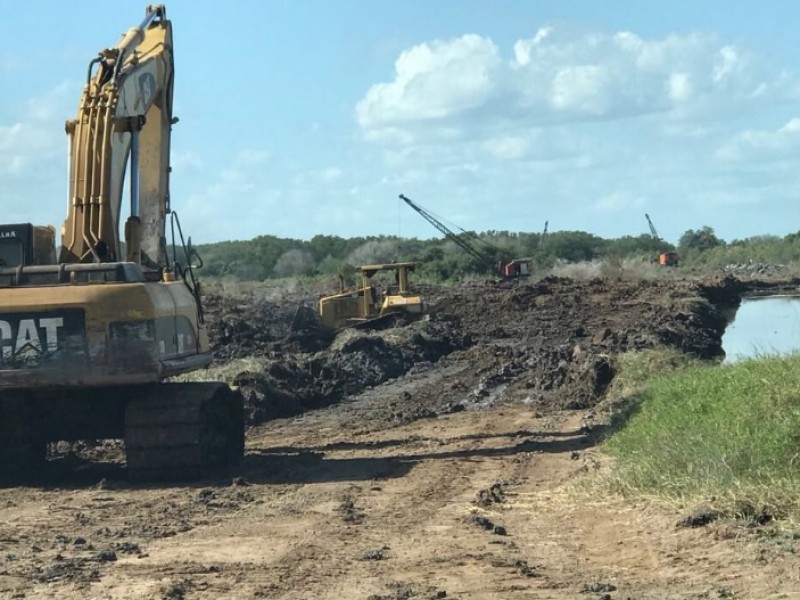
pixel 550 343
pixel 246 324
pixel 286 384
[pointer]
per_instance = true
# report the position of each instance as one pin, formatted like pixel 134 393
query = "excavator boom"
pixel 124 115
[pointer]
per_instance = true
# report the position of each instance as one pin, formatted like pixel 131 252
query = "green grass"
pixel 725 432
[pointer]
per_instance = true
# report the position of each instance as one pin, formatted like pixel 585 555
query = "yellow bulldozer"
pixel 366 305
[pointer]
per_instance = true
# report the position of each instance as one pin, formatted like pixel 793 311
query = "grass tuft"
pixel 728 432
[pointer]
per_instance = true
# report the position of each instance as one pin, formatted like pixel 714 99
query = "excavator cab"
pixel 24 244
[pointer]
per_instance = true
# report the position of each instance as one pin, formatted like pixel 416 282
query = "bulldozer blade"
pixel 305 317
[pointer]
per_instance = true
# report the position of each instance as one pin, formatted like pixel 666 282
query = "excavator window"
pixel 12 253
pixel 16 244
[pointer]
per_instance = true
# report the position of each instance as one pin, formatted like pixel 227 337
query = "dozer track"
pixel 387 321
pixel 183 430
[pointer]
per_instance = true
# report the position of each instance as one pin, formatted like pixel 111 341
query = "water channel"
pixel 763 326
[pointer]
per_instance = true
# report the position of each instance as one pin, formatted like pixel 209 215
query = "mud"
pixel 548 343
pixel 424 461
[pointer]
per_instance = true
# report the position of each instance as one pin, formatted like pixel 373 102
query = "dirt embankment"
pixel 547 342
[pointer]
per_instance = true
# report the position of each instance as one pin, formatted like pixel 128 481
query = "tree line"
pixel 270 257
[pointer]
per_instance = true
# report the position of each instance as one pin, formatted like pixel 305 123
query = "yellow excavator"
pixel 90 334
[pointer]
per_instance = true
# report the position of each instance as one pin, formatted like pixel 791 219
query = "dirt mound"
pixel 256 323
pixel 549 342
pixel 289 384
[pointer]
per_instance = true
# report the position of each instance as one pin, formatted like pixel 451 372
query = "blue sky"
pixel 304 118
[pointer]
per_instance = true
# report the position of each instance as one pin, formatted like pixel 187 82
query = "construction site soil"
pixel 430 460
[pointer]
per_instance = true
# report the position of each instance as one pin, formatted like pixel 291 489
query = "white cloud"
pixel 33 147
pixel 756 145
pixel 186 162
pixel 433 81
pixel 23 146
pixel 243 173
pixel 316 177
pixel 255 195
pixel 389 135
pixel 508 147
pixel 680 87
pixel 251 158
pixel 556 77
pixel 331 174
pixel 616 202
pixel 33 157
pixel 55 104
pixel 207 212
pixel 726 63
pixel 586 129
pixel 586 89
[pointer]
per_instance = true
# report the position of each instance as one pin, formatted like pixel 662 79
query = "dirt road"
pixel 437 463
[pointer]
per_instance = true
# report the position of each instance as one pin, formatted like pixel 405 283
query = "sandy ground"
pixel 462 478
pixel 478 505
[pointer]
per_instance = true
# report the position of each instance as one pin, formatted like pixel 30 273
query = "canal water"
pixel 763 326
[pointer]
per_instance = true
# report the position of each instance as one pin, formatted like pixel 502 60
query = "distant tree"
pixel 433 254
pixel 322 246
pixel 643 244
pixel 792 237
pixel 575 246
pixel 269 256
pixel 245 271
pixel 331 265
pixel 374 252
pixel 295 262
pixel 703 239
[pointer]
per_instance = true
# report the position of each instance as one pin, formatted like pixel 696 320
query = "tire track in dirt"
pixel 417 527
pixel 374 498
pixel 409 489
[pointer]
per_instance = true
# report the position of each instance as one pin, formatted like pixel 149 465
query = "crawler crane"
pixel 505 269
pixel 668 258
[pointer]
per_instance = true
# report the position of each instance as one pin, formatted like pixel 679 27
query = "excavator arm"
pixel 124 118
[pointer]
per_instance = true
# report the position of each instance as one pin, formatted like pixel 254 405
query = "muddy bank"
pixel 286 384
pixel 550 343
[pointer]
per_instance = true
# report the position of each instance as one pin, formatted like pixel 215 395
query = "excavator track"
pixel 178 431
pixel 22 449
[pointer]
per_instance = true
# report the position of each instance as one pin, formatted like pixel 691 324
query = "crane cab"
pixel 515 269
pixel 668 259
